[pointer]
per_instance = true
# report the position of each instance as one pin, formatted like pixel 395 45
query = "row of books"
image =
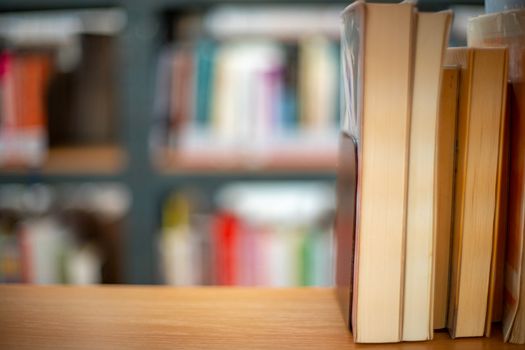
pixel 238 87
pixel 66 235
pixel 426 173
pixel 57 82
pixel 256 234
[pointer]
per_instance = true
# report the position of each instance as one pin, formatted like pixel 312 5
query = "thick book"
pixel 496 30
pixel 480 158
pixel 431 42
pixel 378 50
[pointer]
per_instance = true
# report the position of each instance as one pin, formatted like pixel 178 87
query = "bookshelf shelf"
pixel 187 318
pixel 177 162
pixel 90 160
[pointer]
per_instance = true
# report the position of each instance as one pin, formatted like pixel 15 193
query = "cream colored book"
pixel 495 30
pixel 431 42
pixel 378 46
pixel 446 143
pixel 482 103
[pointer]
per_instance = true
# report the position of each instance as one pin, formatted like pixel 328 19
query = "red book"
pixel 225 232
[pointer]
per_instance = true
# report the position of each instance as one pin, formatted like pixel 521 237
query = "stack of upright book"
pixel 422 181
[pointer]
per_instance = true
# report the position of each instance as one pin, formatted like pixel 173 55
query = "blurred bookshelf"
pixel 154 155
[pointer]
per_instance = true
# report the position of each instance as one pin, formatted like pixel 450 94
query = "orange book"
pixel 31 72
pixel 23 133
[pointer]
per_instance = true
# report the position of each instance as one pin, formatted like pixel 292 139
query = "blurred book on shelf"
pixel 68 234
pixel 250 84
pixel 57 82
pixel 252 234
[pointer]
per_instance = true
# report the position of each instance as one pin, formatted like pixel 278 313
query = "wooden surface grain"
pixel 56 317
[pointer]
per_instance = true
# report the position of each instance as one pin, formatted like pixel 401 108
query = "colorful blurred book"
pixel 247 90
pixel 61 235
pixel 23 79
pixel 57 82
pixel 256 234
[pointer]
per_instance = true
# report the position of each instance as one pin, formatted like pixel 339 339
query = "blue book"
pixel 204 72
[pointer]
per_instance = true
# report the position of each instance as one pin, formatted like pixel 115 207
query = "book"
pixel 318 76
pixel 204 66
pixel 478 180
pixel 322 251
pixel 226 232
pixel 247 95
pixel 46 243
pixel 176 243
pixel 23 138
pixel 430 45
pixel 82 99
pixel 82 265
pixel 182 88
pixel 378 51
pixel 446 156
pixel 495 30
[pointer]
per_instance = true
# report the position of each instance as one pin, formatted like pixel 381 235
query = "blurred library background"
pixel 172 141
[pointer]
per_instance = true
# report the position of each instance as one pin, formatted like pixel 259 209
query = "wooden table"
pixel 185 318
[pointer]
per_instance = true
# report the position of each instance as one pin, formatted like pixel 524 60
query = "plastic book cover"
pixel 347 173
